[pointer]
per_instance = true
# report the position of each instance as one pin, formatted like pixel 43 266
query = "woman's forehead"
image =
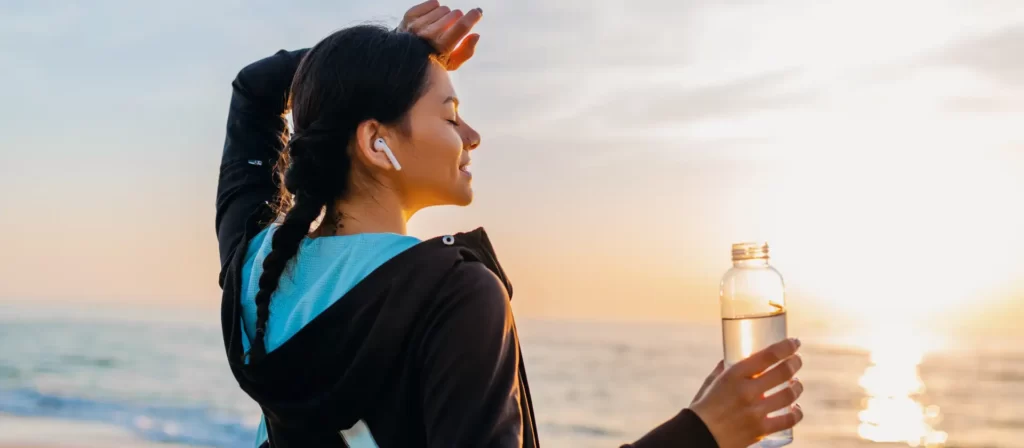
pixel 440 83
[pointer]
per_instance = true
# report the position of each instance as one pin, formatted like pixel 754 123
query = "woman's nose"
pixel 470 137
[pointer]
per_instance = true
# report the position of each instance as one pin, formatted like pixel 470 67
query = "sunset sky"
pixel 877 146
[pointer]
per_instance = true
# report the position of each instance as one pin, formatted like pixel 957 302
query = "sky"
pixel 875 145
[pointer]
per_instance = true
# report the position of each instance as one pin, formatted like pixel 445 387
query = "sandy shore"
pixel 31 432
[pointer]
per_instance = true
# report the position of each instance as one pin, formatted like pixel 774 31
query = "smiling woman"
pixel 362 99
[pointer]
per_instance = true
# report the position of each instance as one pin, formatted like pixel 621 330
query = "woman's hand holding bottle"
pixel 732 403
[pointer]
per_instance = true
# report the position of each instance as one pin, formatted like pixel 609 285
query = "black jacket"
pixel 424 350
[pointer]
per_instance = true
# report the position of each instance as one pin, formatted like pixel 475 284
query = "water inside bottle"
pixel 746 335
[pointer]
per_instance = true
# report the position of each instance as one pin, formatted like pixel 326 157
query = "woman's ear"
pixel 364 149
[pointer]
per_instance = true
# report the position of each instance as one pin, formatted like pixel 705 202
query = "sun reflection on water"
pixel 893 412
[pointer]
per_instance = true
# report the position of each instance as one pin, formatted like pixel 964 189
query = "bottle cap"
pixel 749 251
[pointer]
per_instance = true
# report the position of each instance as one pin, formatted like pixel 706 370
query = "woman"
pixel 355 334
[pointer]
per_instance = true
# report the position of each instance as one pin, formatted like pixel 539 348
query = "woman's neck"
pixel 382 213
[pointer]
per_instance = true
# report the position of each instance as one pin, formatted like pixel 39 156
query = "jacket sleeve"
pixel 254 139
pixel 685 429
pixel 469 357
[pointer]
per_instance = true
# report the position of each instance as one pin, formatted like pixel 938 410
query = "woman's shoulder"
pixel 470 309
pixel 475 263
pixel 475 290
pixel 476 278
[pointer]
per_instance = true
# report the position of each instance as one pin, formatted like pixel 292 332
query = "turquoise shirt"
pixel 324 269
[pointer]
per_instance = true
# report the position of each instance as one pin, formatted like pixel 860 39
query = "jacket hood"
pixel 331 369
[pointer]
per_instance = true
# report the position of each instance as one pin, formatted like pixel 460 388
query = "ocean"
pixel 162 376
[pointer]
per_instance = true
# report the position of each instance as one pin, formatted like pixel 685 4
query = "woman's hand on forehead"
pixel 447 30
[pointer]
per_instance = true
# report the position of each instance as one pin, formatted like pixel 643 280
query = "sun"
pixel 896 238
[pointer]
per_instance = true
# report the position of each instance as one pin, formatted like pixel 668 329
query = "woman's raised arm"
pixel 255 137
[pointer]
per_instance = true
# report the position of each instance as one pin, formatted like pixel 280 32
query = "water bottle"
pixel 753 300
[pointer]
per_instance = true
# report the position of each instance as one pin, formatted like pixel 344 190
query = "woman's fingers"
pixel 762 360
pixel 447 30
pixel 460 29
pixel 416 12
pixel 436 30
pixel 463 52
pixel 773 425
pixel 420 25
pixel 779 374
pixel 782 398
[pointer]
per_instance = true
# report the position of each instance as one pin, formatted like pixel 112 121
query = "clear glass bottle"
pixel 753 300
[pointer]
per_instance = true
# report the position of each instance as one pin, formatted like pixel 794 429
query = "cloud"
pixel 997 55
pixel 641 105
pixel 993 55
pixel 983 104
pixel 611 71
pixel 576 36
pixel 611 121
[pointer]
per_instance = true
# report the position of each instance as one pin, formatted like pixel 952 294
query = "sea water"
pixel 747 335
pixel 162 374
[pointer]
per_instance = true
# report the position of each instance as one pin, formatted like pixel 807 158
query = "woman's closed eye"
pixel 454 104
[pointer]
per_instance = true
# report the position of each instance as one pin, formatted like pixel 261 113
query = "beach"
pixel 36 432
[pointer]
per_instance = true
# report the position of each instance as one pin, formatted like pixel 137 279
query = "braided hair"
pixel 360 73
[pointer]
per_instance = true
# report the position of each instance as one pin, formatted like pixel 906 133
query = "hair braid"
pixel 284 246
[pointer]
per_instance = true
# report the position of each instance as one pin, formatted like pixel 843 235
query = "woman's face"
pixel 434 152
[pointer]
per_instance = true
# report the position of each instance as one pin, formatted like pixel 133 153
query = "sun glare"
pixel 893 411
pixel 871 243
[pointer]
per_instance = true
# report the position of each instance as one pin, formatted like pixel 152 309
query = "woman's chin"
pixel 463 196
pixel 465 199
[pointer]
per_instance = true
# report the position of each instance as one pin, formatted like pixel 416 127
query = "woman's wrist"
pixel 686 426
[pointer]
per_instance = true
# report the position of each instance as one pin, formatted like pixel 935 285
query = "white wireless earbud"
pixel 380 145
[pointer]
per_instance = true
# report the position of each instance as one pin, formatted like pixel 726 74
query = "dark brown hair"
pixel 356 74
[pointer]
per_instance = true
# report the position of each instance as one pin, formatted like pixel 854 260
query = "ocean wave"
pixel 172 424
